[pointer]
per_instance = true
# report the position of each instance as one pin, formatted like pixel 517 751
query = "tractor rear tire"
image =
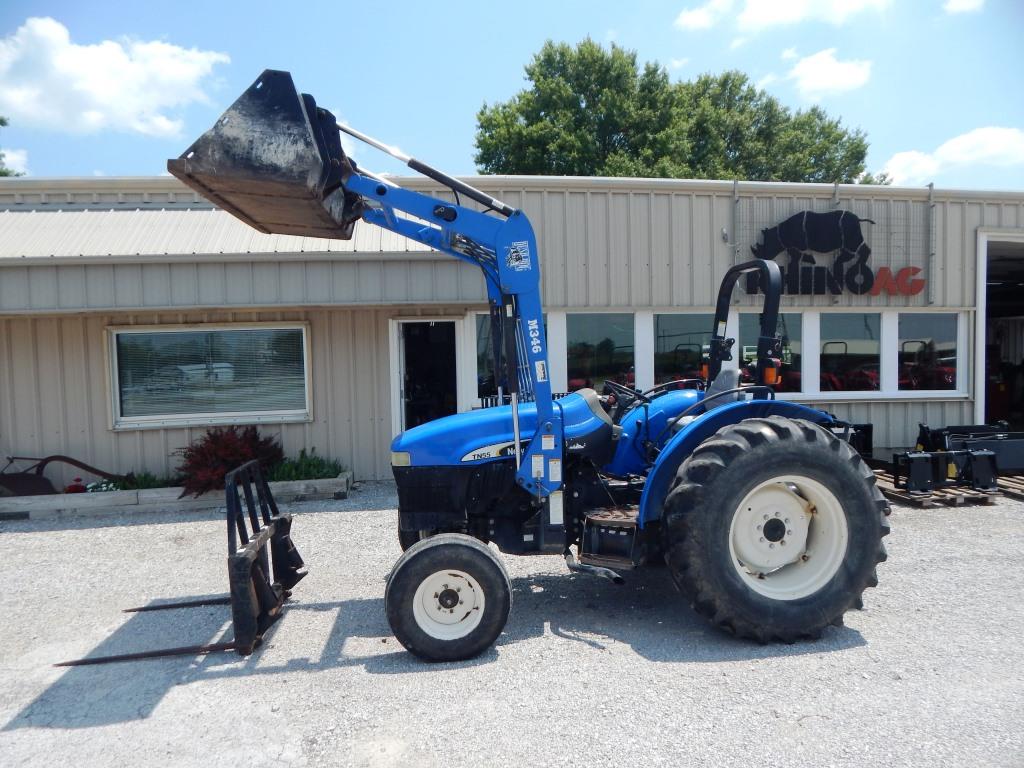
pixel 773 529
pixel 448 598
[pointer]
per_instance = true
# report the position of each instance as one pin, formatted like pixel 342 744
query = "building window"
pixel 680 341
pixel 790 330
pixel 183 376
pixel 927 351
pixel 486 385
pixel 599 347
pixel 850 351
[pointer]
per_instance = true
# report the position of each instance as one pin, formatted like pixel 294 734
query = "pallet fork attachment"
pixel 263 566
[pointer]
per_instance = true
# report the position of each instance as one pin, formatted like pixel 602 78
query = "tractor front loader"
pixel 769 523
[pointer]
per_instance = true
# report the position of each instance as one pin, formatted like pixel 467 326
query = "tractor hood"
pixel 486 434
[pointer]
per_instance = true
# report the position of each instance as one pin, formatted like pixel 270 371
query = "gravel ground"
pixel 931 672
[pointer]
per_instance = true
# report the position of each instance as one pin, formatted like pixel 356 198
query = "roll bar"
pixel 769 345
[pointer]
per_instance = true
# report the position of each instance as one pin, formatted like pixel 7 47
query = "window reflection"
pixel 680 341
pixel 178 373
pixel 599 347
pixel 927 351
pixel 486 385
pixel 789 329
pixel 850 351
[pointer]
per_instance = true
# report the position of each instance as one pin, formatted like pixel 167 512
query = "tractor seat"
pixel 594 403
pixel 726 379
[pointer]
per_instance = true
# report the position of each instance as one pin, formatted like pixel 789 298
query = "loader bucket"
pixel 274 160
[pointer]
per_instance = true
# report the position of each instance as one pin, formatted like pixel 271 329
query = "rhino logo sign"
pixel 806 233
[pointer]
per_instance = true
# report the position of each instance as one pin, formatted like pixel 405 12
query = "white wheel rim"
pixel 448 605
pixel 788 537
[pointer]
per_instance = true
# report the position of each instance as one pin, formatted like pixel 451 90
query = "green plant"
pixel 138 481
pixel 206 461
pixel 308 466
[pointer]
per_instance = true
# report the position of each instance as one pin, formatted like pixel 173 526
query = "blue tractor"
pixel 768 520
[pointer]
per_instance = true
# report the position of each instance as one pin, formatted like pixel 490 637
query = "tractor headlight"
pixel 401 459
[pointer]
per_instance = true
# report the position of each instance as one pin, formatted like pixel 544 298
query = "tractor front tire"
pixel 407 538
pixel 448 598
pixel 773 529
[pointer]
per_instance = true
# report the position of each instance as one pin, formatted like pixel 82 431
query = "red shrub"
pixel 205 462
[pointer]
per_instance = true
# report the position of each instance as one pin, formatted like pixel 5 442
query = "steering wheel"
pixel 628 391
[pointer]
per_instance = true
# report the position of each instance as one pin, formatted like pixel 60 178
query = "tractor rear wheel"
pixel 448 598
pixel 773 529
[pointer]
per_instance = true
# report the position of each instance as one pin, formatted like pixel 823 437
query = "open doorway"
pixel 427 371
pixel 1004 334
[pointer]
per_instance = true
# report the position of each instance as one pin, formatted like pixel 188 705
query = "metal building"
pixel 133 315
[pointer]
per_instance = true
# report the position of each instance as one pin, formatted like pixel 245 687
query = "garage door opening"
pixel 1004 334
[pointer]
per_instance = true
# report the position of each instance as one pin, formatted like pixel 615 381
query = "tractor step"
pixel 608 561
pixel 610 538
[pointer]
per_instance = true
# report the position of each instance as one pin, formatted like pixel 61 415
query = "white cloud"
pixel 992 145
pixel 821 74
pixel 128 85
pixel 737 42
pixel 765 81
pixel 962 6
pixel 789 53
pixel 15 159
pixel 348 144
pixel 678 63
pixel 703 16
pixel 760 14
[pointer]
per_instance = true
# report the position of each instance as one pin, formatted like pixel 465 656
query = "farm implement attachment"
pixel 263 566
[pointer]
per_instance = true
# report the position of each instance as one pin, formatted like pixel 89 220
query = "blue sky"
pixel 115 88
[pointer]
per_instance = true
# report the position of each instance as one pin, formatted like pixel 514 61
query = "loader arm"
pixel 275 160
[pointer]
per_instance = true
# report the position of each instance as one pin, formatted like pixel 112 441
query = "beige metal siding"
pixel 189 285
pixel 895 421
pixel 54 392
pixel 615 243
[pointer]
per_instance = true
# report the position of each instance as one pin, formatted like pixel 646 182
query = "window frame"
pixel 888 351
pixel 118 422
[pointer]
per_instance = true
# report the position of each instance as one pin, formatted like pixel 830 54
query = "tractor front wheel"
pixel 448 598
pixel 773 529
pixel 407 538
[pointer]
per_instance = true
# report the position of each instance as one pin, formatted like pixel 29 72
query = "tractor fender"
pixel 684 442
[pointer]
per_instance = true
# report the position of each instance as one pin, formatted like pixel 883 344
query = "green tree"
pixel 592 111
pixel 4 170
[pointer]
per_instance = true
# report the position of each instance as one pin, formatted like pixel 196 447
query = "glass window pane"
pixel 790 330
pixel 928 351
pixel 486 385
pixel 680 341
pixel 485 382
pixel 850 351
pixel 174 373
pixel 600 347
